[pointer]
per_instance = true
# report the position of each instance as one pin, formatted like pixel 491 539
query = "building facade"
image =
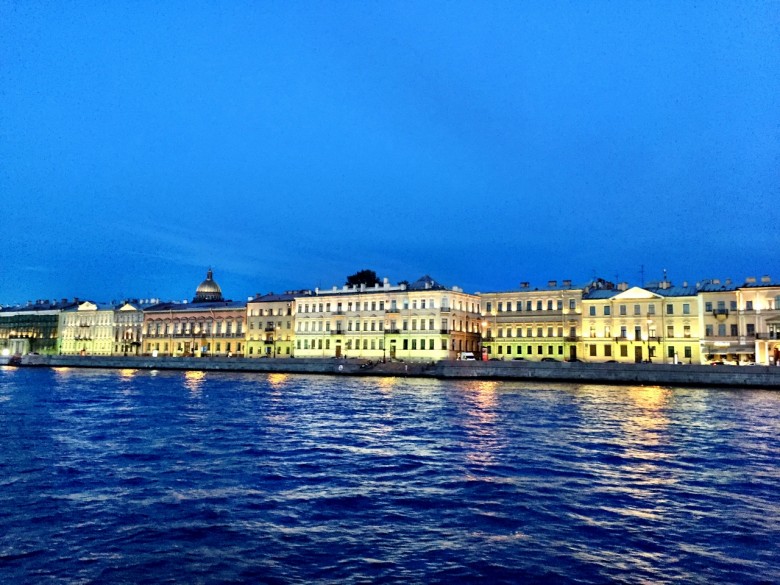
pixel 758 304
pixel 33 327
pixel 533 324
pixel 270 324
pixel 641 324
pixel 423 321
pixel 207 326
pixel 87 329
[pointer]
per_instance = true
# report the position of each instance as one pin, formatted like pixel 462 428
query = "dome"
pixel 208 290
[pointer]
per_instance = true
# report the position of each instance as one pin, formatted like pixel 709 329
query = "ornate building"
pixel 422 321
pixel 208 326
pixel 87 329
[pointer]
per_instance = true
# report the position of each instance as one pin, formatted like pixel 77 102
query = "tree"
pixel 367 277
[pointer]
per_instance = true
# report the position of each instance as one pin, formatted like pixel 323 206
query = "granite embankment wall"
pixel 651 374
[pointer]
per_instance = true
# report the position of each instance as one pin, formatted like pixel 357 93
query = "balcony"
pixel 768 335
pixel 720 314
pixel 444 331
pixel 392 331
pixel 571 338
pixel 338 332
pixel 393 310
pixel 270 329
pixel 337 313
pixel 445 310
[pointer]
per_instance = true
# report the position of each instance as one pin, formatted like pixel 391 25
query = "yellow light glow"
pixel 193 380
pixel 277 380
pixel 127 373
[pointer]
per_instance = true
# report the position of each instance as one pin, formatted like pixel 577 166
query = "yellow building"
pixel 719 324
pixel 758 303
pixel 656 324
pixel 423 321
pixel 87 329
pixel 207 326
pixel 270 324
pixel 533 323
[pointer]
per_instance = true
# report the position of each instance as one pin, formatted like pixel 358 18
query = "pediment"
pixel 88 306
pixel 636 293
pixel 128 307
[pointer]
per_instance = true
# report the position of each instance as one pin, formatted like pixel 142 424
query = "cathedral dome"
pixel 208 290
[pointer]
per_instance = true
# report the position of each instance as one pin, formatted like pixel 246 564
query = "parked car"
pixel 549 359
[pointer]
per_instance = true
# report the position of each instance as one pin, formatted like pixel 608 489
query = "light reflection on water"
pixel 194 477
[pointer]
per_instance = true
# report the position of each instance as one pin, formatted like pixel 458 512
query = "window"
pixel 670 309
pixel 686 309
pixel 593 351
pixel 687 330
pixel 722 330
pixel 623 310
pixel 708 330
pixel 500 306
pixel 559 305
pixel 549 305
pixel 623 351
pixel 651 309
pixel 748 305
pixel 607 310
pixel 751 329
pixel 539 349
pixel 687 351
pixel 623 332
pixel 572 304
pixel 488 307
pixel 670 330
pixel 528 305
pixel 592 311
pixel 670 352
pixel 509 307
pixel 538 305
pixel 637 309
pixel 607 351
pixel 734 332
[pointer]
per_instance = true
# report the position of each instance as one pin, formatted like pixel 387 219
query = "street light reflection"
pixel 193 380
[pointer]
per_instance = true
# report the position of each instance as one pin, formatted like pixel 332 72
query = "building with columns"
pixel 207 326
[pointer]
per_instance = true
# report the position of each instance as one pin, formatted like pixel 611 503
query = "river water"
pixel 191 477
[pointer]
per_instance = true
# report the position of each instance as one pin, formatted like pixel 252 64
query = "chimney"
pixel 524 285
pixel 750 280
pixel 716 281
pixel 567 283
pixel 765 279
pixel 685 284
pixel 622 286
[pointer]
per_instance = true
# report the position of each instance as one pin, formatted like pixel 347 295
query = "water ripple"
pixel 155 477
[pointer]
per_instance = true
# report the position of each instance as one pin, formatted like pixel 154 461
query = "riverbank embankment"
pixel 606 373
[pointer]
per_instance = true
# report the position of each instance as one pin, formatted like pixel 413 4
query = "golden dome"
pixel 208 290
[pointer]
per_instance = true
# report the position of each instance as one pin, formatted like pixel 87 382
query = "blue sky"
pixel 289 144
